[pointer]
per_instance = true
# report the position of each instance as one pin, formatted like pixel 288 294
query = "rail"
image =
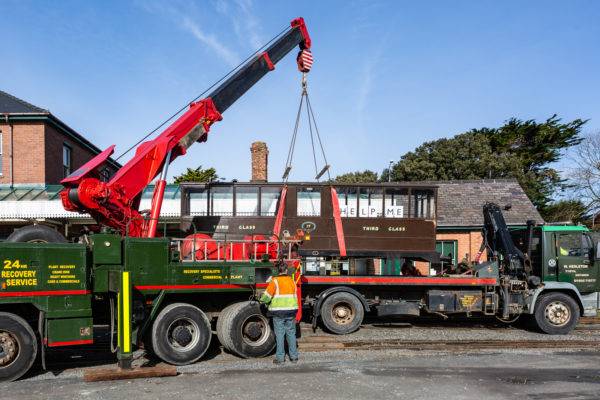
pixel 206 249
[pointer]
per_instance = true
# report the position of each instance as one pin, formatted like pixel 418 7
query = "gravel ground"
pixel 217 360
pixel 353 375
pixel 439 331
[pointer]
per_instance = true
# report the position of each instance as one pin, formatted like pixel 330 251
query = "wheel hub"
pixel 9 349
pixel 182 335
pixel 255 330
pixel 557 313
pixel 342 314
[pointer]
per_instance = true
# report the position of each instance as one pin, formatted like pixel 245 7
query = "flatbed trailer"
pixel 557 286
pixel 548 273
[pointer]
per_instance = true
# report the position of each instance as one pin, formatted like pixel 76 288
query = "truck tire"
pixel 181 334
pixel 556 313
pixel 243 330
pixel 36 234
pixel 342 313
pixel 18 347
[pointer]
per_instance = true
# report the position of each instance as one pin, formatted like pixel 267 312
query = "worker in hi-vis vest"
pixel 281 298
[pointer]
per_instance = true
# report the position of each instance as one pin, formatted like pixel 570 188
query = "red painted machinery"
pixel 115 203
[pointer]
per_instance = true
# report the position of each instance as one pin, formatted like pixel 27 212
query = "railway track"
pixel 326 343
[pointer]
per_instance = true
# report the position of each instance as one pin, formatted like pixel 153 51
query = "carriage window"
pixel 269 197
pixel 396 203
pixel 348 200
pixel 370 202
pixel 423 203
pixel 246 201
pixel 309 202
pixel 221 201
pixel 199 202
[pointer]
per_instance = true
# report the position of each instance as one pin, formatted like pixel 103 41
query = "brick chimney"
pixel 260 161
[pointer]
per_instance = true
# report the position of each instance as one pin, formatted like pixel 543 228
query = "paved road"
pixel 509 374
pixel 346 374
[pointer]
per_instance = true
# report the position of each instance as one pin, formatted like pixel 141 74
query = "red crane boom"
pixel 115 203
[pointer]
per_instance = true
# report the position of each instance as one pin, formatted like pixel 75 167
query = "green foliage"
pixel 365 176
pixel 197 175
pixel 523 150
pixel 565 211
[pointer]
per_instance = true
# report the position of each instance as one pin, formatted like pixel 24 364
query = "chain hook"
pixel 304 83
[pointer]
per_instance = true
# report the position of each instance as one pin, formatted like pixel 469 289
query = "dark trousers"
pixel 285 328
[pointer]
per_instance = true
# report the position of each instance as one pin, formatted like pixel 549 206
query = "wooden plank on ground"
pixel 115 373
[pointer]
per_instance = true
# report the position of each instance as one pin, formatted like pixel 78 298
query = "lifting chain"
pixel 313 130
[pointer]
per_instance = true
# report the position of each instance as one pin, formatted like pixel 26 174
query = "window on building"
pixel 370 202
pixel 246 201
pixel 396 203
pixel 221 201
pixel 67 160
pixel 348 200
pixel 447 250
pixel 1 152
pixel 309 202
pixel 269 198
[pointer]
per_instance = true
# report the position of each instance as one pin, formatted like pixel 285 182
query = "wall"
pixel 28 153
pixel 37 153
pixel 468 244
pixel 54 154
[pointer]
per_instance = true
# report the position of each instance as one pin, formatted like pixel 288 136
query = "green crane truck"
pixel 52 294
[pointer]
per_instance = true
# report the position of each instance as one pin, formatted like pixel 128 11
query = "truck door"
pixel 575 260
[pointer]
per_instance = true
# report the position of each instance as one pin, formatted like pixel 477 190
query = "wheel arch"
pixel 560 287
pixel 28 311
pixel 321 297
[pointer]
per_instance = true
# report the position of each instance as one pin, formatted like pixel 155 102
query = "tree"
pixel 565 211
pixel 197 175
pixel 585 176
pixel 523 150
pixel 365 176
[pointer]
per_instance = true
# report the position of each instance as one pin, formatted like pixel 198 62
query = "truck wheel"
pixel 556 313
pixel 36 234
pixel 243 330
pixel 342 313
pixel 18 347
pixel 181 334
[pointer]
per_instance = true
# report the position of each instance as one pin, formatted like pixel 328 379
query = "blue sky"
pixel 387 75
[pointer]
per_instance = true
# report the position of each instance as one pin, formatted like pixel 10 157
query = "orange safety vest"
pixel 280 294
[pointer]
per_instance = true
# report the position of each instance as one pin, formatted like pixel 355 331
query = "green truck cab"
pixel 567 260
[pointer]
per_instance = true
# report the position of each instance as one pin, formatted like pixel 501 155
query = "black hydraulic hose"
pixel 113 348
pixel 505 302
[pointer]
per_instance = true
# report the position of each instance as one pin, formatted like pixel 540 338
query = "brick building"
pixel 37 150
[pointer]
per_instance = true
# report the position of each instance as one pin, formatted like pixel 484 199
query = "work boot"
pixel 293 360
pixel 277 361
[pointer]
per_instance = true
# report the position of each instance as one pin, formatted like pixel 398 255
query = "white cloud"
pixel 188 17
pixel 210 41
